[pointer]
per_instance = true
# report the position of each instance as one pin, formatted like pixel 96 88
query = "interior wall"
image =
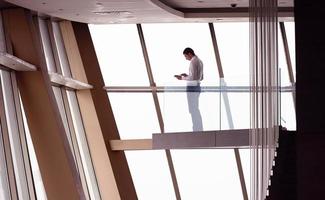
pixel 310 60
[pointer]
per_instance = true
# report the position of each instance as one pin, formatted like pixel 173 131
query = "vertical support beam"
pixel 287 53
pixel 236 150
pixel 114 178
pixel 151 78
pixel 288 59
pixel 53 153
pixel 158 110
pixel 216 50
pixel 227 106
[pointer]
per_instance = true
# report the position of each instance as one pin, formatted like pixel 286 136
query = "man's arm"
pixel 179 77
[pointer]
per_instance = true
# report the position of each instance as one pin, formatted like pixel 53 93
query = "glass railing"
pixel 221 107
pixel 191 108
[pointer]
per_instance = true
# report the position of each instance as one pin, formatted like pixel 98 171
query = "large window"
pixel 233 46
pixel 150 175
pixel 119 53
pixel 14 130
pixel 207 174
pixel 57 63
pixel 224 103
pixel 166 42
pixel 137 111
pixel 288 117
pixel 238 112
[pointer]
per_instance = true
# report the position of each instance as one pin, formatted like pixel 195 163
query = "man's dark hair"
pixel 188 50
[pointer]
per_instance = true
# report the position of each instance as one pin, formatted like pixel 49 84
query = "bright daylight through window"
pixel 224 102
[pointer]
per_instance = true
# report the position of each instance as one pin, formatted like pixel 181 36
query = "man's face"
pixel 188 56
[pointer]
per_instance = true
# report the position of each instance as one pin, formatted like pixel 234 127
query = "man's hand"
pixel 185 75
pixel 179 77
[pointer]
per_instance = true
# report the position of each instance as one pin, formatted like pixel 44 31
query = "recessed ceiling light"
pixel 114 13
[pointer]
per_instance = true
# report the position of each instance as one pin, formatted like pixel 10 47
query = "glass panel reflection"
pixel 239 105
pixel 178 111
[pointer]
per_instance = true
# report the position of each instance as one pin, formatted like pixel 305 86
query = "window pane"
pixel 284 75
pixel 135 114
pixel 47 46
pixel 233 43
pixel 290 29
pixel 64 109
pixel 239 104
pixel 207 174
pixel 288 116
pixel 165 44
pixel 59 50
pixel 4 183
pixel 119 54
pixel 83 146
pixel 59 100
pixel 150 174
pixel 16 147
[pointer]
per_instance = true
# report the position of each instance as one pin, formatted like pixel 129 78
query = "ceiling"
pixel 147 11
pixel 4 4
pixel 216 3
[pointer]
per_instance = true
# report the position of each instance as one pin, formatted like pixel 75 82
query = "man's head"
pixel 188 53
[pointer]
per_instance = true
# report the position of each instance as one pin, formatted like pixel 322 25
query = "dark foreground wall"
pixel 310 64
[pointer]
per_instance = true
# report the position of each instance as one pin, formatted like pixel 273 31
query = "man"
pixel 193 79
